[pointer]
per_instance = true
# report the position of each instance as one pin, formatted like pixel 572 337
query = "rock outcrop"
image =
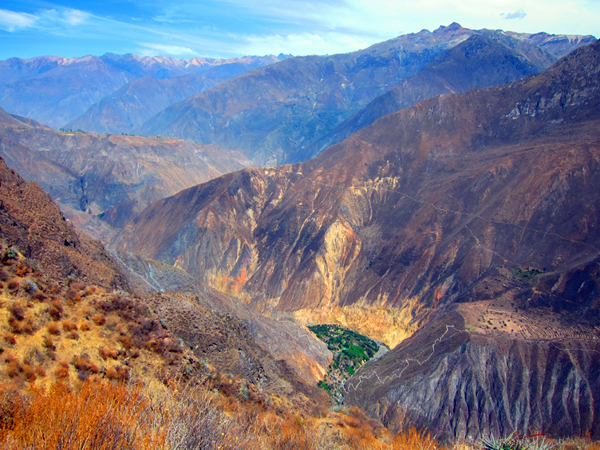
pixel 460 385
pixel 460 197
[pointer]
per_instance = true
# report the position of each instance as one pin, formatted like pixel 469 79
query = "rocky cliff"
pixel 461 196
pixel 460 384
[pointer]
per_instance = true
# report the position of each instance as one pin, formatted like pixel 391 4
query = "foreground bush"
pixel 104 415
pixel 98 416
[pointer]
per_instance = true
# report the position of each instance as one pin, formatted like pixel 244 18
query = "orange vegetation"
pixel 101 415
pixel 97 416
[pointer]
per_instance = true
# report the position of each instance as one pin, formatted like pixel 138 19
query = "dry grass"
pixel 99 415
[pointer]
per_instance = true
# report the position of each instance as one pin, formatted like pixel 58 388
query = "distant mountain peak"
pixel 452 27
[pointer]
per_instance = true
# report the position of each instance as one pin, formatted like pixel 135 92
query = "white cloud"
pixel 520 14
pixel 165 49
pixel 301 44
pixel 45 19
pixel 11 21
pixel 75 17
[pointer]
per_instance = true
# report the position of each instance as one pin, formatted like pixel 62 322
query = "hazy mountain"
pixel 137 101
pixel 482 205
pixel 55 90
pixel 111 176
pixel 483 60
pixel 274 114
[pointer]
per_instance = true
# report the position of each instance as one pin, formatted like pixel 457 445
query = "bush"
pixel 100 415
pixel 69 326
pixel 53 329
pixel 56 309
pixel 99 319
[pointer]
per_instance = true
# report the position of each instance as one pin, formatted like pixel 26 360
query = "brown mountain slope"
pixel 53 308
pixel 31 222
pixel 460 384
pixel 437 201
pixel 470 219
pixel 283 339
pixel 115 176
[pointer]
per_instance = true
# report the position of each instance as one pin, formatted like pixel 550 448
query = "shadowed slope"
pixel 30 221
pixel 113 176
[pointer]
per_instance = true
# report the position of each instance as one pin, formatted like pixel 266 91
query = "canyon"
pixel 437 192
pixel 482 196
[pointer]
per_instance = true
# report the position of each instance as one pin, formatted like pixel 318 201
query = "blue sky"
pixel 221 29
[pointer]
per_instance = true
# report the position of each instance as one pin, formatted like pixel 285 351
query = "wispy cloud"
pixel 222 28
pixel 11 20
pixel 164 49
pixel 301 44
pixel 45 19
pixel 520 14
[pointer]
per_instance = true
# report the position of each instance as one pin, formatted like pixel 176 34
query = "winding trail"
pixel 398 372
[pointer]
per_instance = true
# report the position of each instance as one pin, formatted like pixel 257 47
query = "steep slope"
pixel 32 223
pixel 55 90
pixel 284 339
pixel 459 383
pixel 114 176
pixel 137 101
pixel 273 115
pixel 418 205
pixel 469 219
pixel 483 60
pixel 54 278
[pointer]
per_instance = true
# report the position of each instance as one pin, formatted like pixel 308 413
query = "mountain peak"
pixel 454 26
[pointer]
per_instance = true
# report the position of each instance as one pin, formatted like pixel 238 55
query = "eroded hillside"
pixel 486 196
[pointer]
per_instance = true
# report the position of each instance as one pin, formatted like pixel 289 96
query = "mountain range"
pixel 437 193
pixel 468 219
pixel 275 114
pixel 56 90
